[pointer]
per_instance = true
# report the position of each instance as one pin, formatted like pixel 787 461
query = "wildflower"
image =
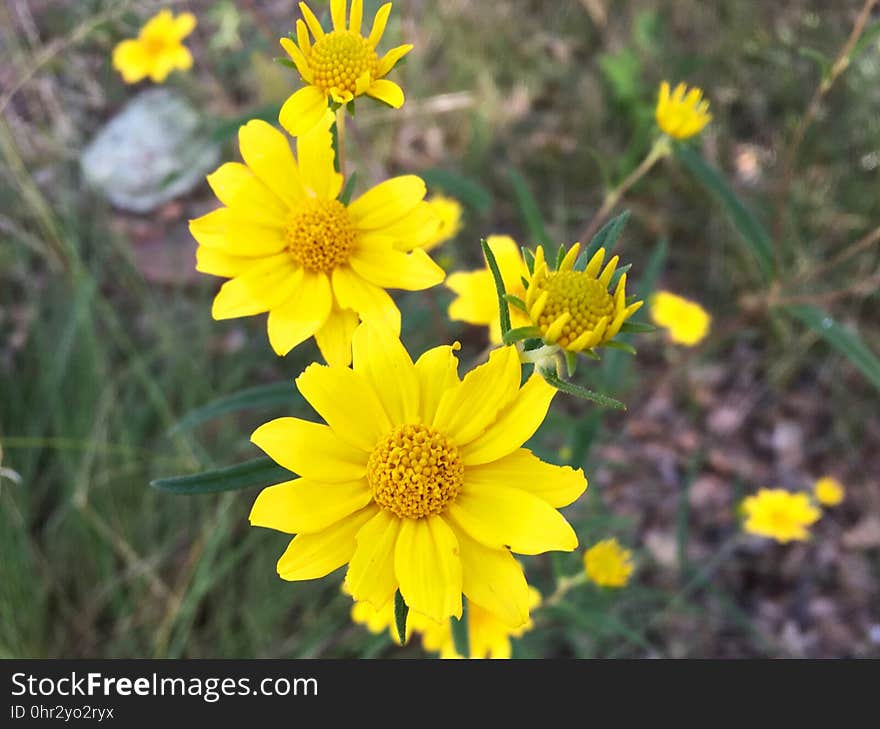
pixel 488 635
pixel 477 301
pixel 686 321
pixel 292 249
pixel 158 50
pixel 682 113
pixel 574 309
pixel 780 515
pixel 447 210
pixel 608 564
pixel 340 65
pixel 418 481
pixel 829 491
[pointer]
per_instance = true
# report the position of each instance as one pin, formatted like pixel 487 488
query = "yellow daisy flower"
pixel 477 301
pixel 687 321
pixel 608 564
pixel 291 248
pixel 829 491
pixel 780 515
pixel 681 113
pixel 418 481
pixel 158 50
pixel 488 635
pixel 447 210
pixel 574 309
pixel 339 65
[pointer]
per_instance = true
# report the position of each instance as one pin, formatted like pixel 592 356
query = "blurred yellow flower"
pixel 682 113
pixel 292 249
pixel 339 65
pixel 488 635
pixel 687 321
pixel 780 515
pixel 608 564
pixel 829 491
pixel 447 210
pixel 574 309
pixel 477 301
pixel 419 481
pixel 158 50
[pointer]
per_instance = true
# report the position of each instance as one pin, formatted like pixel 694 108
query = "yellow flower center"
pixel 340 58
pixel 579 294
pixel 320 235
pixel 414 472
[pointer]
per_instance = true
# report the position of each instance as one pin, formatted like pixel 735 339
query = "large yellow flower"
pixel 681 113
pixel 339 65
pixel 686 321
pixel 488 635
pixel 419 481
pixel 477 301
pixel 574 309
pixel 291 248
pixel 780 515
pixel 158 50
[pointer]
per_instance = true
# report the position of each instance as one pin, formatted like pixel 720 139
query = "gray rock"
pixel 154 150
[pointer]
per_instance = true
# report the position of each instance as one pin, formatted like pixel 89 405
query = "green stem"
pixel 340 138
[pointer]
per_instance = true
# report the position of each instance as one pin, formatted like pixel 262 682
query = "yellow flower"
pixel 608 564
pixel 829 491
pixel 574 309
pixel 339 65
pixel 418 481
pixel 447 210
pixel 488 635
pixel 477 300
pixel 158 50
pixel 291 248
pixel 779 514
pixel 687 321
pixel 682 113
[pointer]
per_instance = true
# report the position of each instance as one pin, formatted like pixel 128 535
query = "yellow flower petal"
pixel 356 17
pixel 387 92
pixel 302 314
pixel 514 426
pixel 302 37
pixel 226 230
pixel 370 301
pixel 334 338
pixel 309 556
pixel 471 406
pixel 184 24
pixel 437 371
pixel 557 485
pixel 499 516
pixel 387 202
pixel 428 567
pixel 311 21
pixel 477 302
pixel 237 187
pixel 131 60
pixel 263 286
pixel 303 506
pixel 302 111
pixel 347 403
pixel 379 23
pixel 310 450
pixel 370 575
pixel 267 153
pixel 337 14
pixel 215 262
pixel 390 268
pixel 314 150
pixel 387 62
pixel 381 358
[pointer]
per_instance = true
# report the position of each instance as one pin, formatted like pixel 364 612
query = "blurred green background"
pixel 106 339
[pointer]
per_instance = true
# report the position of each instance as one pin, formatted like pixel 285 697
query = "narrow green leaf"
pixel 606 238
pixel 516 301
pixel 622 346
pixel 345 195
pixel 460 187
pixel 499 287
pixel 529 258
pixel 560 254
pixel 845 341
pixel 617 274
pixel 582 392
pixel 819 58
pixel 460 634
pixel 285 62
pixel 524 281
pixel 261 471
pixel 649 277
pixel 637 327
pixel 868 37
pixel 261 396
pixel 520 333
pixel 757 238
pixel 401 612
pixel 571 361
pixel 529 209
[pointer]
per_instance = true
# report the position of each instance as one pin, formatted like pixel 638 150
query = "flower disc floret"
pixel 320 235
pixel 585 300
pixel 340 58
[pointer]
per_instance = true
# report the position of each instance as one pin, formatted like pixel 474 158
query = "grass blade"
pixel 529 209
pixel 258 472
pixel 262 396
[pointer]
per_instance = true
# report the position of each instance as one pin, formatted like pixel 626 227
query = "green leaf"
pixel 460 635
pixel 401 612
pixel 819 58
pixel 845 341
pixel 345 195
pixel 520 333
pixel 499 287
pixel 285 62
pixel 756 237
pixel 529 258
pixel 516 301
pixel 648 280
pixel 261 396
pixel 571 361
pixel 617 274
pixel 622 346
pixel 582 392
pixel 261 471
pixel 637 327
pixel 560 254
pixel 529 209
pixel 606 238
pixel 460 187
pixel 868 37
